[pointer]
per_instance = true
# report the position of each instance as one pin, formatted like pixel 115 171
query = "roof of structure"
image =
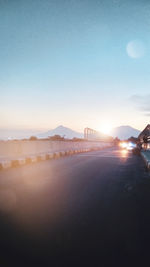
pixel 146 132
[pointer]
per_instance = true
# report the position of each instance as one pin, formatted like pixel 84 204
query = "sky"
pixel 76 63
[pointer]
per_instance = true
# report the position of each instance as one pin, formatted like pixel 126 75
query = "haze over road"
pixel 87 209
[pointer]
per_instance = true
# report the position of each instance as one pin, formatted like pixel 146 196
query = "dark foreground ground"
pixel 90 209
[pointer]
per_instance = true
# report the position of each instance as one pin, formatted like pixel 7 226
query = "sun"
pixel 106 129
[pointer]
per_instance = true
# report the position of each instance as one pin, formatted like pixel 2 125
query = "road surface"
pixel 88 209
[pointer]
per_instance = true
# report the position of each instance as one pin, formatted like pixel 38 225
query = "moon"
pixel 135 49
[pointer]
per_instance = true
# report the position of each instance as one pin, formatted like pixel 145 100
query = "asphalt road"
pixel 90 209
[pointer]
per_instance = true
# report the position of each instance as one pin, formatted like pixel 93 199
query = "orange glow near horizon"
pixel 106 128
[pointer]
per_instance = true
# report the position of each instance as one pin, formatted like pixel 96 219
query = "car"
pixel 128 145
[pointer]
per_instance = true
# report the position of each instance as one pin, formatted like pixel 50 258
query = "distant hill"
pixel 62 131
pixel 125 132
pixel 8 134
pixel 122 132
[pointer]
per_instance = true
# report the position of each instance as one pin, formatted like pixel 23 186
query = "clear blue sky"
pixel 66 62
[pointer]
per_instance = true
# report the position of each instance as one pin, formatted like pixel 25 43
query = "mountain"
pixel 8 134
pixel 122 132
pixel 62 131
pixel 125 132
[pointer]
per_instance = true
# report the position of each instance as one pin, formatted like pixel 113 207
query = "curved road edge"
pixel 7 164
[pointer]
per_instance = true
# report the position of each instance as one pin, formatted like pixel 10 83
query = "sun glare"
pixel 106 129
